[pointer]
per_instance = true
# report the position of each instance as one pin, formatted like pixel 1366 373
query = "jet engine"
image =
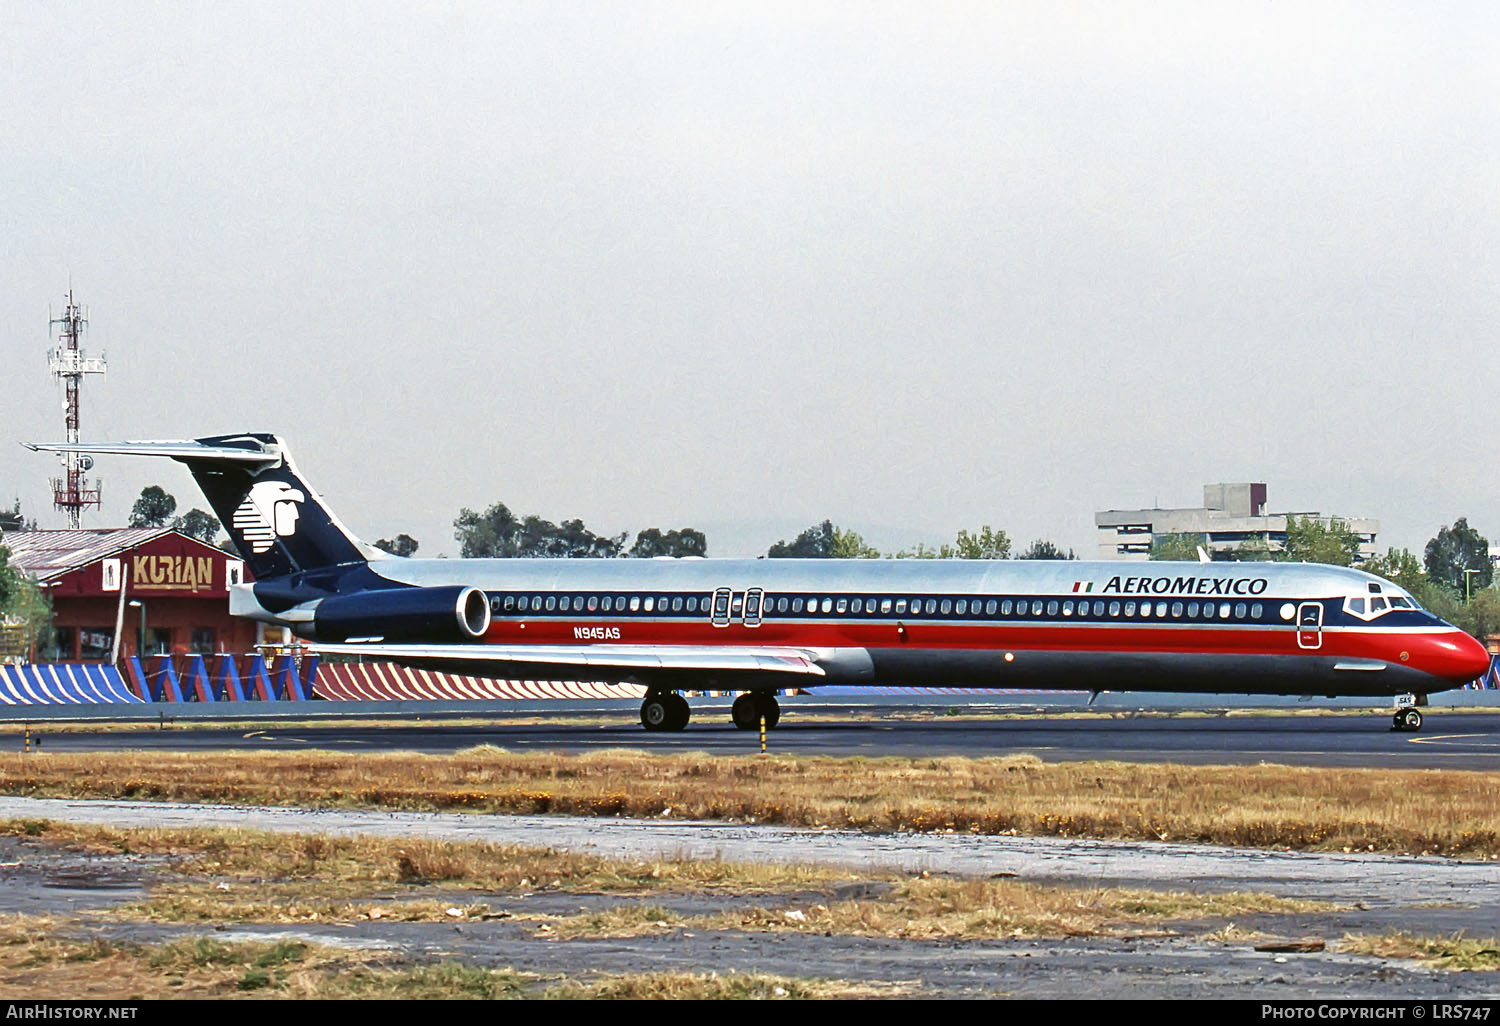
pixel 404 614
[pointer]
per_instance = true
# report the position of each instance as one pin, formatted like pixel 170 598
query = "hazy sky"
pixel 747 266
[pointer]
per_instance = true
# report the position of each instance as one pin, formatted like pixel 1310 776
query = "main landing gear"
pixel 665 710
pixel 751 706
pixel 1407 717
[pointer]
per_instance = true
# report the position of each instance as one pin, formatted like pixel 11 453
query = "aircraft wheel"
pixel 1396 723
pixel 744 712
pixel 681 712
pixel 767 706
pixel 656 712
pixel 1411 719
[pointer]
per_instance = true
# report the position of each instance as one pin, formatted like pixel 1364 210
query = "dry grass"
pixel 247 876
pixel 340 866
pixel 949 908
pixel 39 962
pixel 730 986
pixel 1456 952
pixel 1412 811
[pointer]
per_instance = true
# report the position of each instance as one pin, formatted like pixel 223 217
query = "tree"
pixel 1045 550
pixel 402 545
pixel 850 545
pixel 498 533
pixel 10 579
pixel 1180 548
pixel 1314 541
pixel 1455 551
pixel 197 524
pixel 24 603
pixel 944 551
pixel 153 509
pixel 987 544
pixel 1399 567
pixel 685 541
pixel 817 542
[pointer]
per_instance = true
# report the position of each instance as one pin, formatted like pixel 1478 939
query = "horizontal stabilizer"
pixel 178 450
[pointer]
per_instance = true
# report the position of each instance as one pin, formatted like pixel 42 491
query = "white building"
pixel 1231 515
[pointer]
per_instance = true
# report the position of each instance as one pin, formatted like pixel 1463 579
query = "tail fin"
pixel 279 524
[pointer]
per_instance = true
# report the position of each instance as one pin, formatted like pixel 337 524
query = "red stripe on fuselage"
pixel 1249 639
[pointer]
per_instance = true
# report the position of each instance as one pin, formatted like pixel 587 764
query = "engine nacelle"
pixel 452 613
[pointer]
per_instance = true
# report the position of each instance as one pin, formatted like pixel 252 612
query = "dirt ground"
pixel 1202 959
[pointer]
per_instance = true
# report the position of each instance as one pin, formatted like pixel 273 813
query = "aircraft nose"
pixel 1460 658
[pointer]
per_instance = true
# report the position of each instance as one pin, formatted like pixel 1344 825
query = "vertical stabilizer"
pixel 279 524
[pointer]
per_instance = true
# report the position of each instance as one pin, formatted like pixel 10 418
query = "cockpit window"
pixel 1368 608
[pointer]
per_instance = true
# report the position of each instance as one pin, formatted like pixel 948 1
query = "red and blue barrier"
pixel 285 679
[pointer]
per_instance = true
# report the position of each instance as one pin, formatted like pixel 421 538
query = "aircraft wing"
pixel 613 660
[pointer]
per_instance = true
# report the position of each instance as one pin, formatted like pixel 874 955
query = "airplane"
pixel 759 626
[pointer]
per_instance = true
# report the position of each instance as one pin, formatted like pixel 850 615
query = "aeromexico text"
pixel 1186 585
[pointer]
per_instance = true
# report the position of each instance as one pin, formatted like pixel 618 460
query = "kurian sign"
pixel 171 573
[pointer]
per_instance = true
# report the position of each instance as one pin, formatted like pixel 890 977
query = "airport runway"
pixel 1448 740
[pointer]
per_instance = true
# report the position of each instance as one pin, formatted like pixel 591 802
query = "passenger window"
pixel 1114 609
pixel 962 606
pixel 676 603
pixel 827 605
pixel 781 604
pixel 510 603
pixel 593 603
pixel 842 607
pixel 1192 609
pixel 900 606
pixel 1067 609
pixel 946 607
pixel 1130 609
pixel 551 603
pixel 1255 610
pixel 1052 608
pixel 1176 608
pixel 635 603
pixel 1239 610
pixel 1224 611
pixel 1005 607
pixel 650 602
pixel 1099 608
pixel 989 608
pixel 607 603
pixel 885 605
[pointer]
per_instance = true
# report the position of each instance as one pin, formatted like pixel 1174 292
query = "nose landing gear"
pixel 1408 718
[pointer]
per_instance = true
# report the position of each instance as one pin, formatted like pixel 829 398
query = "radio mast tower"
pixel 71 492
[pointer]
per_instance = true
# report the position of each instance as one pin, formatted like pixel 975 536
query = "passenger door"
pixel 1310 625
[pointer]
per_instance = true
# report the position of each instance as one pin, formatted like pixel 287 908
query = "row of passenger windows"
pixel 880 606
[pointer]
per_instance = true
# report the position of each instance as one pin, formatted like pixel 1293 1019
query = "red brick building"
pixel 169 592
